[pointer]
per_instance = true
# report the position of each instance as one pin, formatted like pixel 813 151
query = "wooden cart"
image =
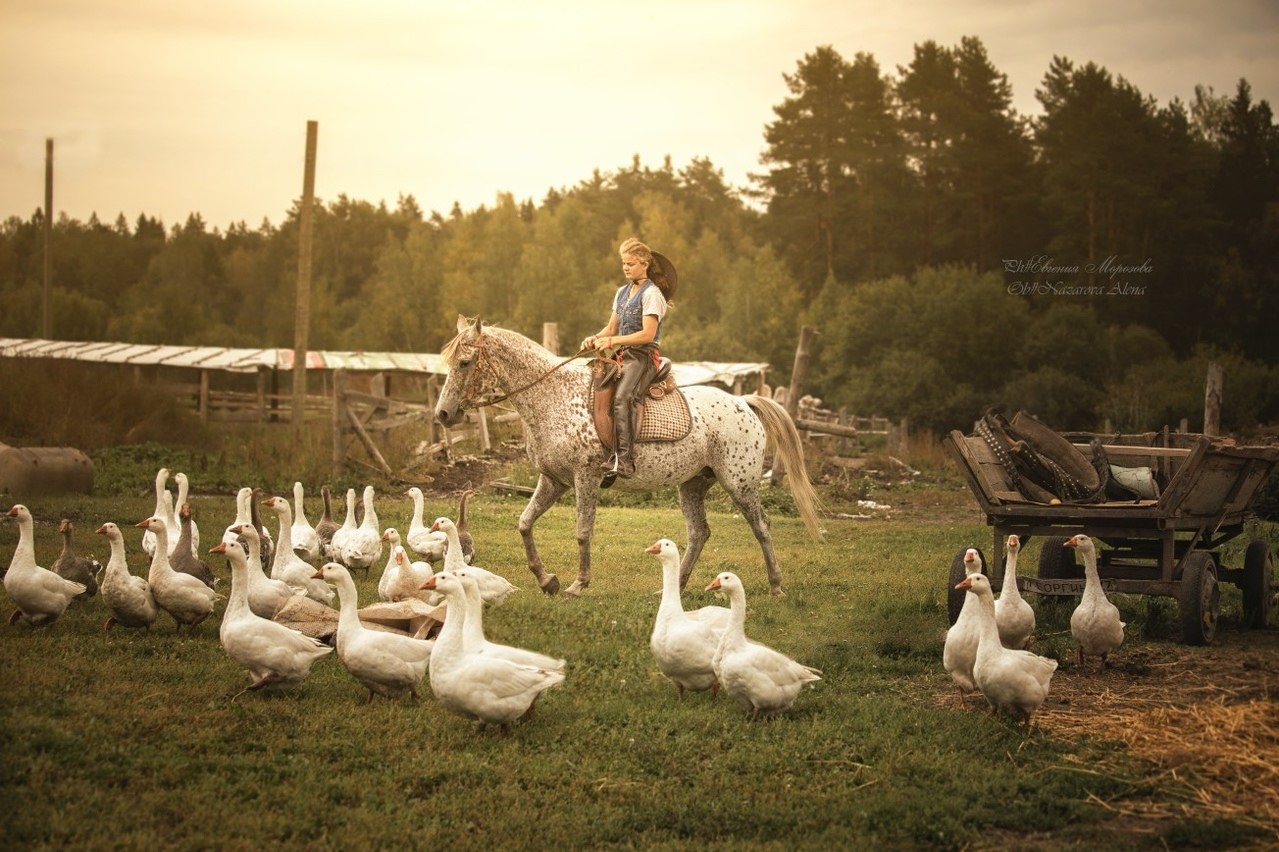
pixel 1169 546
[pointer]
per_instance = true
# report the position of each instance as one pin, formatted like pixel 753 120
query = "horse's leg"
pixel 588 492
pixel 745 493
pixel 692 502
pixel 544 496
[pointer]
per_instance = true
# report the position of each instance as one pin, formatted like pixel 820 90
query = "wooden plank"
pixel 1128 450
pixel 368 443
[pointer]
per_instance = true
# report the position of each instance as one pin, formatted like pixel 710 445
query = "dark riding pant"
pixel 638 368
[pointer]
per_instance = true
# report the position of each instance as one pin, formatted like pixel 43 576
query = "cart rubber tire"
pixel 1258 576
pixel 955 597
pixel 1057 562
pixel 1198 598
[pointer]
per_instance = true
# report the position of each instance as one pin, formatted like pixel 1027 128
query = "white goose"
pixel 1015 682
pixel 275 655
pixel 473 630
pixel 960 650
pixel 182 596
pixel 391 536
pixel 40 595
pixel 384 663
pixel 1013 615
pixel 1095 622
pixel 494 588
pixel 161 507
pixel 184 492
pixel 287 565
pixel 763 680
pixel 684 644
pixel 265 594
pixel 127 597
pixel 363 546
pixel 407 578
pixel 246 514
pixel 306 541
pixel 338 540
pixel 425 542
pixel 474 685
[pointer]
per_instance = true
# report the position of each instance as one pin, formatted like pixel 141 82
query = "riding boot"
pixel 624 443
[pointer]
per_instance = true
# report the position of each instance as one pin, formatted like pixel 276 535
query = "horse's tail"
pixel 782 433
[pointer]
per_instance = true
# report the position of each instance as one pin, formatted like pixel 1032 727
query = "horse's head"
pixel 463 354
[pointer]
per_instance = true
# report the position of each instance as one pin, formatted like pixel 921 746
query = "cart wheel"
pixel 1198 598
pixel 1057 562
pixel 1258 575
pixel 955 597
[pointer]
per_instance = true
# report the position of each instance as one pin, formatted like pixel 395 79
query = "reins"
pixel 503 397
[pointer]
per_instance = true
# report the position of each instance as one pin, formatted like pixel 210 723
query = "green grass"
pixel 131 740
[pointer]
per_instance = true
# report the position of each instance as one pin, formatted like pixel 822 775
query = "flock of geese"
pixel 706 649
pixel 492 683
pixel 986 647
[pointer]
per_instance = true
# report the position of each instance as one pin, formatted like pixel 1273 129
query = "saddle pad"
pixel 664 418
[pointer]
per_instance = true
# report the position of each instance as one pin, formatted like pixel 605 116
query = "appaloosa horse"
pixel 726 443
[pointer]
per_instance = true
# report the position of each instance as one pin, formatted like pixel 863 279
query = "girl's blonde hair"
pixel 656 272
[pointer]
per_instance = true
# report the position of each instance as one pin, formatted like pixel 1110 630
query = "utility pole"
pixel 48 235
pixel 302 313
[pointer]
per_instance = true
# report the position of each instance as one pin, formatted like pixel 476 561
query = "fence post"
pixel 551 337
pixel 339 418
pixel 1212 399
pixel 794 392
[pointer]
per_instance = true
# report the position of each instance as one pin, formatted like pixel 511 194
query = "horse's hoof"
pixel 573 591
pixel 551 585
pixel 777 592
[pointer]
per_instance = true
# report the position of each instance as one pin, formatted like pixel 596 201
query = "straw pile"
pixel 1205 719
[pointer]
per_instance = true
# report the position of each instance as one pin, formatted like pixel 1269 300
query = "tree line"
pixel 1084 264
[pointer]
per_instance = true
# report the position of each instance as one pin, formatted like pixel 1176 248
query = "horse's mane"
pixel 449 352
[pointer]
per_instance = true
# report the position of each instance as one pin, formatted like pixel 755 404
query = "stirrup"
pixel 610 476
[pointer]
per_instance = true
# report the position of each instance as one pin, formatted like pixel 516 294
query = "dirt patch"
pixel 1206 720
pixel 474 473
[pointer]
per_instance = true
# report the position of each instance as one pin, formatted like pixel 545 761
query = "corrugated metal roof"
pixel 250 360
pixel 219 357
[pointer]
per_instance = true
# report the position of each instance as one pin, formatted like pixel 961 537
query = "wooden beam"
pixel 368 443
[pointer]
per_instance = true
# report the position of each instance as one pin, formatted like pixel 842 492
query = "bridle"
pixel 480 356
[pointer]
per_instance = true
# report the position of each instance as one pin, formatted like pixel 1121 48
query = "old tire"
pixel 1057 562
pixel 955 597
pixel 1258 575
pixel 1198 598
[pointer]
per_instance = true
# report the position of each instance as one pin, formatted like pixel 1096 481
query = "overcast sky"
pixel 168 108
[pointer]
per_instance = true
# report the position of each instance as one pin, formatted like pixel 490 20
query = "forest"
pixel 1085 264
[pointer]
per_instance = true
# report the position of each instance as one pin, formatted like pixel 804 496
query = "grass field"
pixel 130 740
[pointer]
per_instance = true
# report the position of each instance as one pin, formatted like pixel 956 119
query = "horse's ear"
pixel 462 324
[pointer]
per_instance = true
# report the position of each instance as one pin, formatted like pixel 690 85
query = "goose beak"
pixel 220 547
pixel 142 524
pixel 102 529
pixel 435 527
pixel 714 585
pixel 653 548
pixel 429 584
pixel 318 575
pixel 1071 542
pixel 965 583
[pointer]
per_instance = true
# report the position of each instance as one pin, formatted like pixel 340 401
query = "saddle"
pixel 662 413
